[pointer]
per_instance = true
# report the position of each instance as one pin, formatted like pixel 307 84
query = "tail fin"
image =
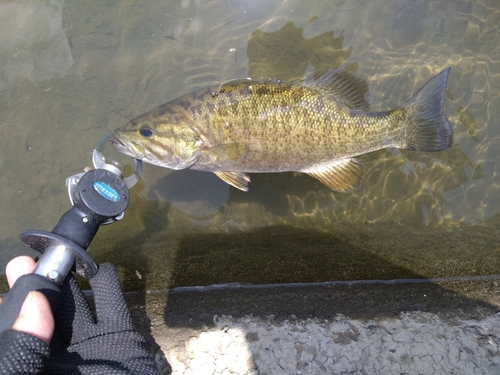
pixel 428 128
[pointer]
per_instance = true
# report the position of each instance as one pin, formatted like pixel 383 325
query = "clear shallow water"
pixel 70 72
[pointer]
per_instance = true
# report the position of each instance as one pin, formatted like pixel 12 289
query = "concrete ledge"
pixel 424 328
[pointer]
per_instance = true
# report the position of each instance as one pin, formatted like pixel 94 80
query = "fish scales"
pixel 291 124
pixel 316 125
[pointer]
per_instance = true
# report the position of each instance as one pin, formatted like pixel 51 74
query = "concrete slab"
pixel 420 328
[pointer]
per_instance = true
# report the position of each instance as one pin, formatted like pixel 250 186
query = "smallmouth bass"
pixel 316 125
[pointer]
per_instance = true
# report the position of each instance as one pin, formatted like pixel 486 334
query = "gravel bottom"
pixel 414 343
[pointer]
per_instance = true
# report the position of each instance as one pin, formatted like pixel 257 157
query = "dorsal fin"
pixel 229 85
pixel 340 85
pixel 239 83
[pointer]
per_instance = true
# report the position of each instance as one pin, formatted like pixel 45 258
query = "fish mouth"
pixel 126 147
pixel 118 144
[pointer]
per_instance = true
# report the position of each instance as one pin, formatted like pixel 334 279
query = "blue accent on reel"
pixel 106 191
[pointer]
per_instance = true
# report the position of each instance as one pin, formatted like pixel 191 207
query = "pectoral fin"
pixel 237 179
pixel 224 153
pixel 344 176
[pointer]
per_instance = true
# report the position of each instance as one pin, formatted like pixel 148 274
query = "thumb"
pixel 36 317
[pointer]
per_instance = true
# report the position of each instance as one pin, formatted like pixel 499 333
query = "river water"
pixel 72 71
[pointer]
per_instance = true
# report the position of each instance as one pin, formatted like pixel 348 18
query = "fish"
pixel 316 125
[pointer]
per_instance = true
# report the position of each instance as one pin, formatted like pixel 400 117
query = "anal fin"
pixel 344 176
pixel 239 180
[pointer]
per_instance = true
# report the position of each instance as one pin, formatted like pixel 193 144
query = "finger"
pixel 17 267
pixel 111 309
pixel 36 317
pixel 75 321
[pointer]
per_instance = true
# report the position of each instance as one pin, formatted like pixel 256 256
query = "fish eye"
pixel 145 132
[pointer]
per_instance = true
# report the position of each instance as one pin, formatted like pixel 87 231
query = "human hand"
pixel 35 316
pixel 82 343
pixel 24 348
pixel 104 342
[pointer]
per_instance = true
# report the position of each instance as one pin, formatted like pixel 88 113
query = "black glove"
pixel 111 346
pixel 21 353
pixel 80 345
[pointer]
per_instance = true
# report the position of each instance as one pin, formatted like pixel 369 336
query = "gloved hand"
pixel 80 344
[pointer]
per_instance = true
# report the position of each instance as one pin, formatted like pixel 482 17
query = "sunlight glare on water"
pixel 71 71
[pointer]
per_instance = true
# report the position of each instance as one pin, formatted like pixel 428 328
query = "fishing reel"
pixel 99 196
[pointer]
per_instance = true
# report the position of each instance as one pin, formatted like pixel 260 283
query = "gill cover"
pixel 158 141
pixel 173 146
